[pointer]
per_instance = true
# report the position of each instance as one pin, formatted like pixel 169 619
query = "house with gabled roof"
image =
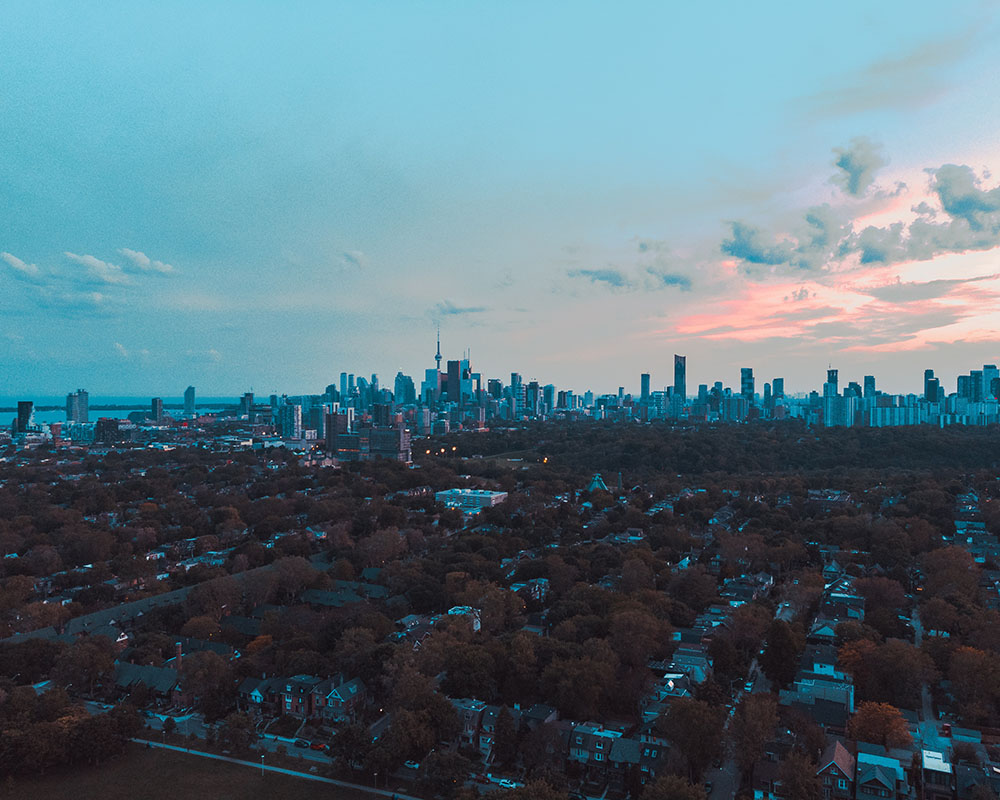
pixel 836 772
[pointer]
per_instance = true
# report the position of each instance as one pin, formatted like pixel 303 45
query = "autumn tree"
pixel 695 728
pixel 799 780
pixel 752 727
pixel 781 654
pixel 879 723
pixel 673 787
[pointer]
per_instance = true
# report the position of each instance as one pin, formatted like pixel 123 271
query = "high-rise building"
pixel 644 387
pixel 157 409
pixel 246 406
pixel 189 401
pixel 290 421
pixel 990 374
pixel 928 377
pixel 832 386
pixel 777 388
pixel 78 406
pixel 403 390
pixel 25 415
pixel 343 385
pixel 680 377
pixel 747 384
pixel 869 386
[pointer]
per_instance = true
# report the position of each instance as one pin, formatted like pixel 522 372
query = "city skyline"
pixel 268 198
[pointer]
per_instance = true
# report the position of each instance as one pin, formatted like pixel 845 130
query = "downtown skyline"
pixel 269 198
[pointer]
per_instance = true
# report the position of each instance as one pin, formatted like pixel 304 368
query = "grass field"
pixel 156 774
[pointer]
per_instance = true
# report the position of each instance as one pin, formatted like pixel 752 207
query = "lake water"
pixel 128 405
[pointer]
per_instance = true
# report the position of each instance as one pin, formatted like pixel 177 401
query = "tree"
pixel 352 745
pixel 799 780
pixel 975 680
pixel 673 787
pixel 753 724
pixel 879 723
pixel 208 677
pixel 237 731
pixel 695 728
pixel 85 662
pixel 781 655
pixel 505 738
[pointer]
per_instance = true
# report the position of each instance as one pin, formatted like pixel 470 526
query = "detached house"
pixel 836 773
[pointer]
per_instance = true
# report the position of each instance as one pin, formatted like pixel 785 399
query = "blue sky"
pixel 236 194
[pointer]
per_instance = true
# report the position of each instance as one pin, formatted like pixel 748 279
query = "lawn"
pixel 156 774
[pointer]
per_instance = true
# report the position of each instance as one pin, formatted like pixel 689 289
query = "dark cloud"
pixel 448 309
pixel 614 278
pixel 858 164
pixel 747 244
pixel 660 278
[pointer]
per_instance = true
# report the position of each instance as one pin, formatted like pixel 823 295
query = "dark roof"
pixel 158 679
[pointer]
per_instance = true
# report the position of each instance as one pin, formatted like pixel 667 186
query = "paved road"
pixel 281 770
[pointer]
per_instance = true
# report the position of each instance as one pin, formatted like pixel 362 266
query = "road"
pixel 930 735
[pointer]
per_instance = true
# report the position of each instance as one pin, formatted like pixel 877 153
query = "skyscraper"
pixel 77 406
pixel 290 421
pixel 343 386
pixel 189 401
pixel 869 386
pixel 680 377
pixel 644 387
pixel 246 406
pixel 928 377
pixel 746 384
pixel 157 409
pixel 831 388
pixel 25 415
pixel 777 388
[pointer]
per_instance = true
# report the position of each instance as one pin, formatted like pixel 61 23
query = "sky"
pixel 260 195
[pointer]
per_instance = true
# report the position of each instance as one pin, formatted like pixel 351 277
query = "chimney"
pixel 179 651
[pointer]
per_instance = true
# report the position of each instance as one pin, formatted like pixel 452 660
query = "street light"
pixel 262 765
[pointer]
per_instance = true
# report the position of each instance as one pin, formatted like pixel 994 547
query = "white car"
pixel 507 783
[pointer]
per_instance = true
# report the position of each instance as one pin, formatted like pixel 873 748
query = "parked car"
pixel 301 743
pixel 317 746
pixel 412 765
pixel 507 783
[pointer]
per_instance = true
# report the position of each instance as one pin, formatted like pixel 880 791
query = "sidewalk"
pixel 281 770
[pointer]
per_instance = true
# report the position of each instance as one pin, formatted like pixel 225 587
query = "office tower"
pixel 931 390
pixel 332 393
pixel 990 373
pixel 290 421
pixel 454 381
pixel 853 389
pixel 246 406
pixel 317 420
pixel 157 409
pixel 928 377
pixel 831 387
pixel 350 383
pixel 746 384
pixel 644 388
pixel 343 385
pixel 963 388
pixel 494 388
pixel 976 385
pixel 25 415
pixel 702 392
pixel 869 386
pixel 77 406
pixel 680 377
pixel 403 389
pixel 767 396
pixel 533 398
pixel 189 401
pixel 548 398
pixel 777 388
pixel 430 388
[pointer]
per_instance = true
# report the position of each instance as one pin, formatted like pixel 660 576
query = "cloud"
pixel 100 271
pixel 905 81
pixel 353 259
pixel 746 243
pixel 961 198
pixel 915 291
pixel 448 309
pixel 798 295
pixel 858 164
pixel 22 270
pixel 660 278
pixel 614 278
pixel 121 350
pixel 967 218
pixel 210 356
pixel 140 262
